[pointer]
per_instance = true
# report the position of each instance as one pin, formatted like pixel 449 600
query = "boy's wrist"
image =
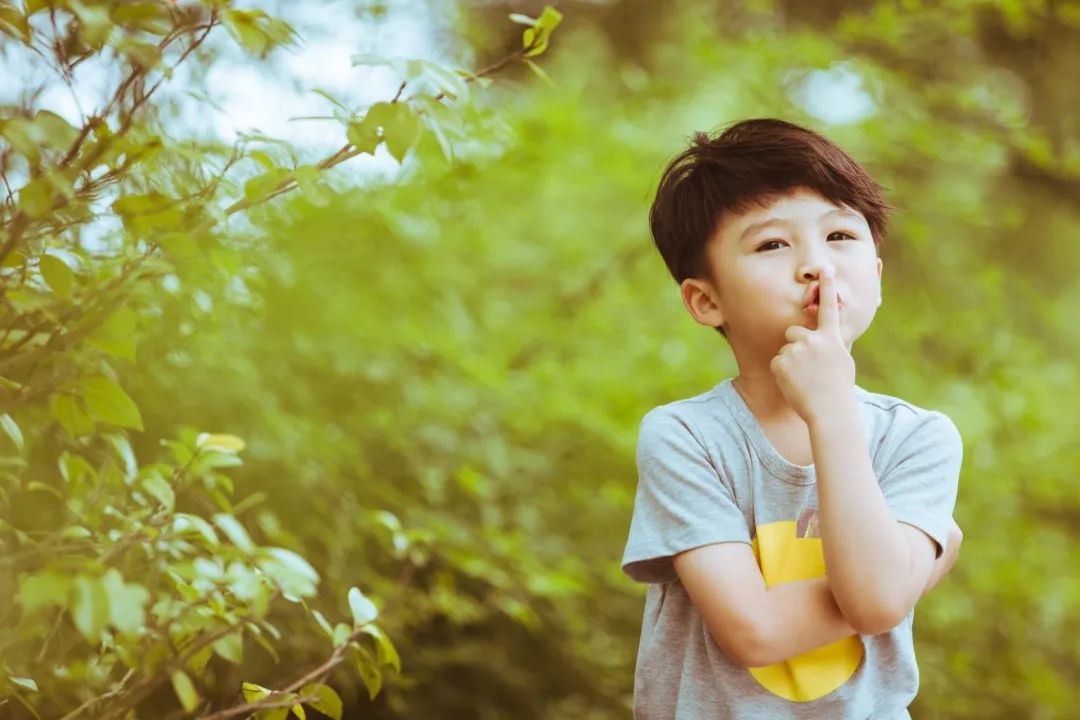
pixel 827 415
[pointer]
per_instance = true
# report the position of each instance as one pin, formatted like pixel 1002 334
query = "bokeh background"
pixel 470 344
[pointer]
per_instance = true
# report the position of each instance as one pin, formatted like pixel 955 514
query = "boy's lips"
pixel 812 298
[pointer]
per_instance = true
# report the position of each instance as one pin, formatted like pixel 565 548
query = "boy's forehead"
pixel 761 209
pixel 765 206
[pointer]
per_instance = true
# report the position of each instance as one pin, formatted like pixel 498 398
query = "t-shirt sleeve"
pixel 921 483
pixel 681 501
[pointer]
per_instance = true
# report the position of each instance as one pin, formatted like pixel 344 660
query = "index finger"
pixel 828 306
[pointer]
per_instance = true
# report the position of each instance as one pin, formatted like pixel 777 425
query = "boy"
pixel 748 492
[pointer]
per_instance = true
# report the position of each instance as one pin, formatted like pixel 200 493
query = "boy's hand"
pixel 814 370
pixel 944 564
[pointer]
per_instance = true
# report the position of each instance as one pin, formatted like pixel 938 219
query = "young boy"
pixel 748 492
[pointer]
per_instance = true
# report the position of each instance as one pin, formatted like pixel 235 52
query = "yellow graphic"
pixel 787 551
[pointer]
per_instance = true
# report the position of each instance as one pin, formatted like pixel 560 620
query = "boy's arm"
pixel 752 624
pixel 945 563
pixel 878 567
pixel 758 626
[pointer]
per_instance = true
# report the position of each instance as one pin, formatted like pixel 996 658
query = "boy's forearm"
pixel 867 559
pixel 800 616
pixel 803 616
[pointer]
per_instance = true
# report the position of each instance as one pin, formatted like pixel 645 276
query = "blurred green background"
pixel 470 345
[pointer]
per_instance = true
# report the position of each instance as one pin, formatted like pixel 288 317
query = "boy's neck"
pixel 763 396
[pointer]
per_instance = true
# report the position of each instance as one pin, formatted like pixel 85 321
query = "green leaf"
pixel 234 531
pixel 401 130
pixel 307 177
pixel 292 573
pixel 184 523
pixel 14 259
pixel 198 661
pixel 328 702
pixel 90 607
pixel 387 653
pixel 231 647
pixel 57 275
pixel 151 212
pixel 537 36
pixel 341 634
pixel 363 610
pixel 43 589
pixel 364 134
pixel 244 582
pixel 522 19
pixel 321 621
pixel 160 489
pixel 185 690
pixel 261 186
pixel 122 446
pixel 539 71
pixel 126 601
pixel 250 28
pixel 444 79
pixel 298 710
pixel 94 25
pixel 117 334
pixel 549 19
pixel 143 55
pixel 29 684
pixel 50 129
pixel 109 402
pixel 253 692
pixel 220 443
pixel 19 132
pixel 12 430
pixel 36 197
pixel 14 23
pixel 68 410
pixel 369 671
pixel 272 714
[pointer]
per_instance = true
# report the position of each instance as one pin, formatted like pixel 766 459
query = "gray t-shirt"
pixel 707 474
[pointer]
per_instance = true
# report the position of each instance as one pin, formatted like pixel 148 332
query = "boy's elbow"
pixel 747 648
pixel 874 619
pixel 756 650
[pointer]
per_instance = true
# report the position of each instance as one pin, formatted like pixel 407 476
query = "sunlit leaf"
pixel 328 702
pixel 90 607
pixel 234 531
pixel 230 647
pixel 363 610
pixel 12 429
pixel 219 442
pixel 109 402
pixel 185 690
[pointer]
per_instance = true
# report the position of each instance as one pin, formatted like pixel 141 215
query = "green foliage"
pixel 132 567
pixel 471 351
pixel 438 382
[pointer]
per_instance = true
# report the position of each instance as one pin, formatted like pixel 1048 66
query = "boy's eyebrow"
pixel 754 227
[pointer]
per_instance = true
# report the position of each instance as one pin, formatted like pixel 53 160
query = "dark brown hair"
pixel 751 161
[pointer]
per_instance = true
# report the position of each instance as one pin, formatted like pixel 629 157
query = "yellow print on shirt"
pixel 787 551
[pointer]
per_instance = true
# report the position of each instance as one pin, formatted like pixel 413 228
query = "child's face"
pixel 764 272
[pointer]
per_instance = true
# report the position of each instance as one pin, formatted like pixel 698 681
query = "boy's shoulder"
pixel 722 404
pixel 900 414
pixel 712 404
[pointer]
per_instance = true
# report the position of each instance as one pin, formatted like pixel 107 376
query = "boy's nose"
pixel 815 272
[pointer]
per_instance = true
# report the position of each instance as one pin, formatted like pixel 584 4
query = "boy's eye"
pixel 843 235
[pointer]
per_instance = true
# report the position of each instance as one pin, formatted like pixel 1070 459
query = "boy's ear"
pixel 702 302
pixel 879 266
